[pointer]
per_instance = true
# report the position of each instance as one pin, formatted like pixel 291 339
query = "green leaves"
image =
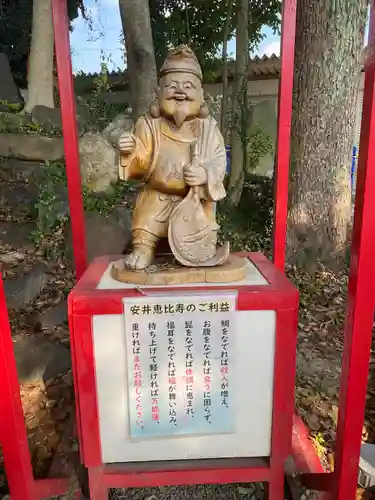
pixel 201 24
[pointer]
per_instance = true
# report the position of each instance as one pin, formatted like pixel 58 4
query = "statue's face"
pixel 180 97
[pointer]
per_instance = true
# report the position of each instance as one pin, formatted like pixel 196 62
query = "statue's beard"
pixel 179 111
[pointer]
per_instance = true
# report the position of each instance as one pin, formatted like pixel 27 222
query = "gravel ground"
pixel 200 492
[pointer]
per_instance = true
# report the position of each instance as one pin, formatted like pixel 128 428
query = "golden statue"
pixel 178 151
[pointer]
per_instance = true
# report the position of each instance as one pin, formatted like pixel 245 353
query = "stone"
pixel 13 122
pixel 31 147
pixel 166 272
pixel 48 117
pixel 16 235
pixel 122 215
pixel 39 359
pixel 23 290
pixel 21 170
pixel 106 235
pixel 51 120
pixel 114 130
pixel 55 316
pixel 99 164
pixel 19 199
pixel 9 93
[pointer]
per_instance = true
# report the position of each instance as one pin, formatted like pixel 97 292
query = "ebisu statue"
pixel 178 151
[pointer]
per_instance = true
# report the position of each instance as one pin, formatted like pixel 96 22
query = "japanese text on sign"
pixel 158 308
pixel 180 364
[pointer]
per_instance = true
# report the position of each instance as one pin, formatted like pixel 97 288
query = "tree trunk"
pixel 40 76
pixel 236 178
pixel 135 16
pixel 329 45
pixel 224 102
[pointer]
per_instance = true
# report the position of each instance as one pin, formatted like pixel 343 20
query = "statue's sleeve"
pixel 136 165
pixel 215 165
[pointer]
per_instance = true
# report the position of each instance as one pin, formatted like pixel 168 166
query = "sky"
pixel 101 38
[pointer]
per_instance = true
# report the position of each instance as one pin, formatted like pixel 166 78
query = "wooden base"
pixel 166 271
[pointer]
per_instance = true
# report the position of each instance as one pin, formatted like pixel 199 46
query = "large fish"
pixel 192 235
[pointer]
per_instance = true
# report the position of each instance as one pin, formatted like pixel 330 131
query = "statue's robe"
pixel 160 154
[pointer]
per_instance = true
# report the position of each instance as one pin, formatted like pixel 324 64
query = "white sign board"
pixel 180 361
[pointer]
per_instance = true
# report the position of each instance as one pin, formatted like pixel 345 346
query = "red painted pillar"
pixel 361 298
pixel 68 114
pixel 281 176
pixel 13 437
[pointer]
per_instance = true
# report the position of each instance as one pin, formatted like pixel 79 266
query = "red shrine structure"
pixel 337 485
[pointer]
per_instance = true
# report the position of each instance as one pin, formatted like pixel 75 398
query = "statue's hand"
pixel 195 175
pixel 127 143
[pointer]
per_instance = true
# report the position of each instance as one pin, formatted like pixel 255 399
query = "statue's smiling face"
pixel 180 97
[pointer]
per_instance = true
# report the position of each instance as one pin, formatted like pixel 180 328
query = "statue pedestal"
pixel 184 384
pixel 166 271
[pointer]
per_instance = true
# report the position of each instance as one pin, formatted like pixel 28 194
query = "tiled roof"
pixel 266 66
pixel 260 68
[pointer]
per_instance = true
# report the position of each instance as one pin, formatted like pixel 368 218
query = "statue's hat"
pixel 182 60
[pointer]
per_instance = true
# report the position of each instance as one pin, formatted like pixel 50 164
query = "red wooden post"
pixel 361 298
pixel 68 113
pixel 13 437
pixel 281 175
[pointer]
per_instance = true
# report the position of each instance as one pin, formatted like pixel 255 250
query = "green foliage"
pixel 105 202
pixel 52 205
pixel 214 105
pixel 255 142
pixel 11 107
pixel 259 145
pixel 15 33
pixel 97 110
pixel 212 68
pixel 201 23
pixel 101 81
pixel 248 227
pixel 23 124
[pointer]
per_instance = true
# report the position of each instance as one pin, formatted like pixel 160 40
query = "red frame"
pixel 70 132
pixel 284 118
pixel 13 436
pixel 361 293
pixel 280 295
pixel 361 298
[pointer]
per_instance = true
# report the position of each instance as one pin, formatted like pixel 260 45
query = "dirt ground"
pixel 48 404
